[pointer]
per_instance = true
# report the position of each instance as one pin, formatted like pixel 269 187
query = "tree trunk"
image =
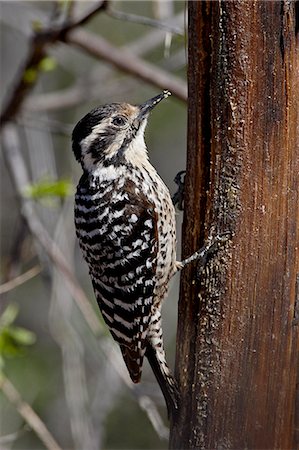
pixel 237 343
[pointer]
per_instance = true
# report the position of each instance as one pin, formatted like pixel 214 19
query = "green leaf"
pixel 36 25
pixel 8 346
pixel 22 336
pixel 30 75
pixel 64 2
pixel 47 188
pixel 13 340
pixel 47 64
pixel 9 315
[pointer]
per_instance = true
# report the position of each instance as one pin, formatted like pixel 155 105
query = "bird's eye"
pixel 119 121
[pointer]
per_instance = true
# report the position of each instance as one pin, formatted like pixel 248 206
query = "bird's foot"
pixel 203 253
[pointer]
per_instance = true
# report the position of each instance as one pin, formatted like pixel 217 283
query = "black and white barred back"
pixel 125 223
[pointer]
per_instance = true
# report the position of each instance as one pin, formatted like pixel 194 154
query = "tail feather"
pixel 156 356
pixel 134 361
pixel 166 381
pixel 153 349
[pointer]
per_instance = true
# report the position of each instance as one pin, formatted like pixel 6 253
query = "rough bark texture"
pixel 237 344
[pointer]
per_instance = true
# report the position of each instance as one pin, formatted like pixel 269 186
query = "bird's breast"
pixel 105 198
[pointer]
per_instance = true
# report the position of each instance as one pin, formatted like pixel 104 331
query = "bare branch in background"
pixel 23 86
pixel 143 20
pixel 151 410
pixel 11 437
pixel 103 78
pixel 97 47
pixel 25 410
pixel 29 73
pixel 100 6
pixel 45 124
pixel 18 171
pixel 145 402
pixel 13 264
pixel 79 93
pixel 71 342
pixel 126 61
pixel 19 280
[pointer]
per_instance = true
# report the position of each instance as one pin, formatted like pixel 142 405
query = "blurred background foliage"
pixel 48 351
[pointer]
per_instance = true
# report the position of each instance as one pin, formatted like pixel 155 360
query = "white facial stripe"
pixel 96 130
pixel 116 145
pixel 89 161
pixel 136 152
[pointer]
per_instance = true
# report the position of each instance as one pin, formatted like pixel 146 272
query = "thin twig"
pixel 22 86
pixel 145 402
pixel 17 281
pixel 11 437
pixel 143 20
pixel 149 406
pixel 25 410
pixel 100 6
pixel 126 61
pixel 45 124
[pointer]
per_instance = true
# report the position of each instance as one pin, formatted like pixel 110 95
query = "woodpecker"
pixel 125 223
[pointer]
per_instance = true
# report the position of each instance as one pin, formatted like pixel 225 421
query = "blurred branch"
pixel 13 266
pixel 143 20
pixel 93 85
pixel 18 171
pixel 96 46
pixel 45 124
pixel 11 437
pixel 145 402
pixel 101 6
pixel 126 61
pixel 30 416
pixel 22 86
pixel 61 99
pixel 11 284
pixel 151 410
pixel 39 42
pixel 73 343
pixel 78 93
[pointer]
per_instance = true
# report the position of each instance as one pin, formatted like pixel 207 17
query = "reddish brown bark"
pixel 237 344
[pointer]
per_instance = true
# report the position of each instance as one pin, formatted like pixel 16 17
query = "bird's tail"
pixel 156 356
pixel 133 359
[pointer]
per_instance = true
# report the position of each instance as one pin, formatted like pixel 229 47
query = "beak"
pixel 146 107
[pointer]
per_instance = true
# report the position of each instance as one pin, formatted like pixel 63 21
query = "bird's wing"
pixel 124 276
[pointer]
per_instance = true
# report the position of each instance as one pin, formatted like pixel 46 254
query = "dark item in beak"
pixel 146 107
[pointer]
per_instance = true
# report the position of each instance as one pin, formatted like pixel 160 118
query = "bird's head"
pixel 113 134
